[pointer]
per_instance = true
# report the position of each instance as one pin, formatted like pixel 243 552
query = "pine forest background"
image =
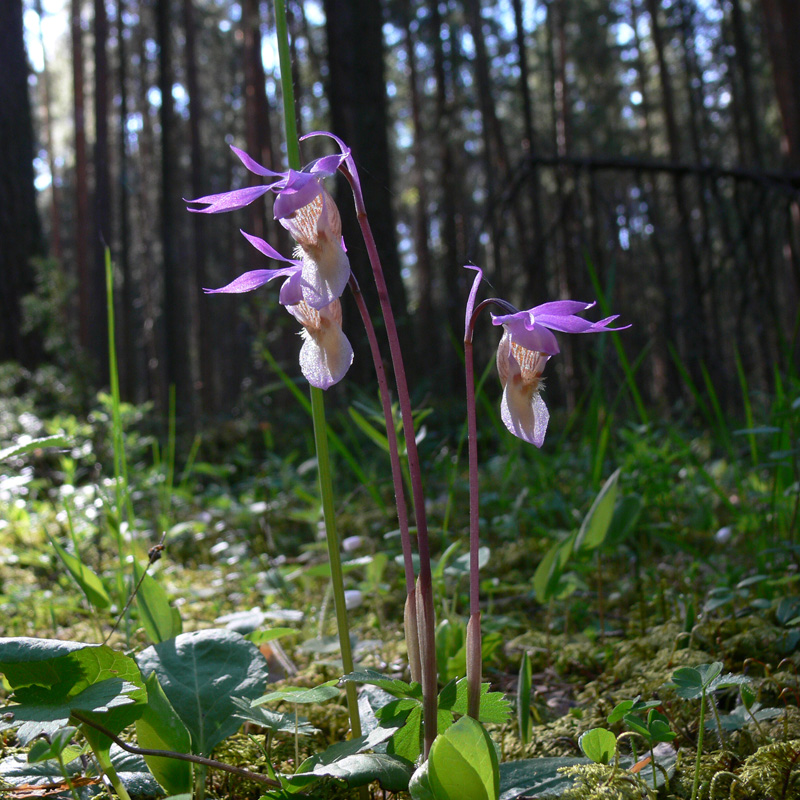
pixel 643 151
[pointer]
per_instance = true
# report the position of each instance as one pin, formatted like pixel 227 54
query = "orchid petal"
pixel 253 166
pixel 524 414
pixel 561 308
pixel 229 201
pixel 252 280
pixel 325 274
pixel 530 335
pixel 300 190
pixel 267 249
pixel 324 360
pixel 292 290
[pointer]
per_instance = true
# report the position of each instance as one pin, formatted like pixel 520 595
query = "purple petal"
pixel 292 290
pixel 327 165
pixel 301 189
pixel 560 308
pixel 252 280
pixel 255 167
pixel 267 249
pixel 229 201
pixel 347 160
pixel 527 333
pixel 572 324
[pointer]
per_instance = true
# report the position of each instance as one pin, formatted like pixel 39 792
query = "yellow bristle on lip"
pixel 531 362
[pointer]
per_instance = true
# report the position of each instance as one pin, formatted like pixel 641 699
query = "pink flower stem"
pixel 425 610
pixel 474 655
pixel 412 633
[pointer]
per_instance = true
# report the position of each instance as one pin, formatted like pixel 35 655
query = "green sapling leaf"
pixel 598 744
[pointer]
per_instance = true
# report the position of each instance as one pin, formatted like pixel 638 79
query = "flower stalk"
pixel 317 400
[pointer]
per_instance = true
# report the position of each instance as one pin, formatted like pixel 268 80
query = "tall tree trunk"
pixel 691 291
pixel 129 385
pixel 782 26
pixel 20 232
pixel 357 96
pixel 207 352
pixel 101 234
pixel 176 329
pixel 81 178
pixel 452 244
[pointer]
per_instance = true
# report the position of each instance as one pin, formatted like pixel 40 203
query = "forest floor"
pixel 698 569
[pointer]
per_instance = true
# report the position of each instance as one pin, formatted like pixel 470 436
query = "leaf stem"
pixel 202 760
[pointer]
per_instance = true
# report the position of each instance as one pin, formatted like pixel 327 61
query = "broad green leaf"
pixel 394 686
pixel 598 744
pixel 494 706
pixel 462 764
pixel 300 696
pixel 96 680
pixel 200 673
pixel 359 769
pixel 524 699
pixel 596 523
pixel 157 615
pixel 89 583
pixel 536 777
pixel 160 728
pixel 58 440
pixel 406 742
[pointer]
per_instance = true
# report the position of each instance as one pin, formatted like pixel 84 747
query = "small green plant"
pixel 700 683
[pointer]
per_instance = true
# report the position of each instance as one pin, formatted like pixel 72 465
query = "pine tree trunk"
pixel 81 178
pixel 20 232
pixel 101 233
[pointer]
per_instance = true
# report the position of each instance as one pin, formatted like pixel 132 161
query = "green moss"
pixel 600 782
pixel 773 771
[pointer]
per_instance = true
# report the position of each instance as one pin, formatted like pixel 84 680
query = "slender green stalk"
pixel 317 401
pixel 696 782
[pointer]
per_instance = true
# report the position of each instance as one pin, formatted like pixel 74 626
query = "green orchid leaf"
pixel 536 777
pixel 463 764
pixel 201 673
pixel 597 521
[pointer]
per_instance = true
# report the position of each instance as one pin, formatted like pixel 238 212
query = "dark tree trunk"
pixel 357 95
pixel 81 178
pixel 128 351
pixel 782 18
pixel 176 319
pixel 20 232
pixel 199 227
pixel 101 233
